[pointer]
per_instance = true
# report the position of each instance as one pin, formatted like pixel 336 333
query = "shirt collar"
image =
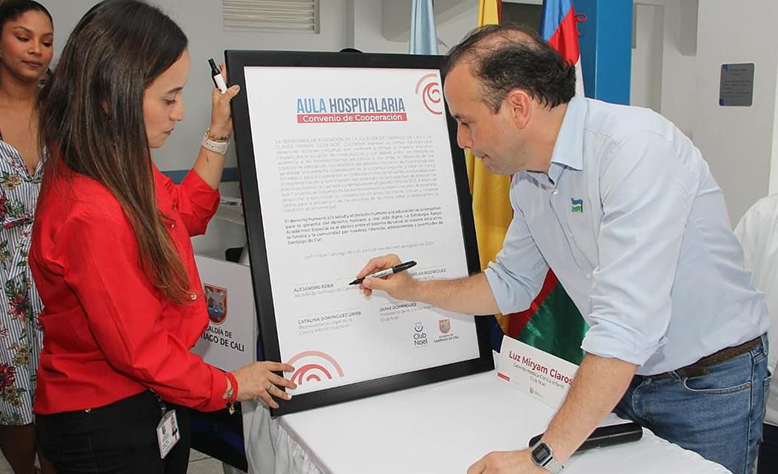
pixel 568 149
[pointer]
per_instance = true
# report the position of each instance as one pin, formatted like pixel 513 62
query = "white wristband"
pixel 214 146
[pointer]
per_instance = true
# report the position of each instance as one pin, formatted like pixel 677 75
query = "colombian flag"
pixel 559 26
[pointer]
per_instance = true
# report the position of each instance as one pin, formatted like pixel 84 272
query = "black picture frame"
pixel 236 61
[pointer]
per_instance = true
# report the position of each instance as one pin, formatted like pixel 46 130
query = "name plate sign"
pixel 543 376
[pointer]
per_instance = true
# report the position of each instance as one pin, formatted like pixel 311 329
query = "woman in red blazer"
pixel 111 252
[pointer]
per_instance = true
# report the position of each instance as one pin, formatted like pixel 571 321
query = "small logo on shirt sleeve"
pixel 576 205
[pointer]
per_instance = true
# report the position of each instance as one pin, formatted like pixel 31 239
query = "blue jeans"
pixel 719 415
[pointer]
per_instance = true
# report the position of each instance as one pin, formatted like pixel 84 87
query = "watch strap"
pixel 552 465
pixel 214 146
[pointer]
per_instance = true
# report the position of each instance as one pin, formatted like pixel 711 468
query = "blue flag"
pixel 424 39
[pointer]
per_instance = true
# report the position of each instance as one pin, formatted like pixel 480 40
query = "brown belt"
pixel 700 367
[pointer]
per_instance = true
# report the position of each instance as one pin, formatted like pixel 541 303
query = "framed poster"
pixel 343 157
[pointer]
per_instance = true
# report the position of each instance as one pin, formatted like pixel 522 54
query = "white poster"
pixel 354 163
pixel 229 342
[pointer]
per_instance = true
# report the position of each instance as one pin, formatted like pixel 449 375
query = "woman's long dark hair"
pixel 91 118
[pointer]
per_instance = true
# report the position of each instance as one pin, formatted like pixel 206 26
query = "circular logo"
pixel 431 96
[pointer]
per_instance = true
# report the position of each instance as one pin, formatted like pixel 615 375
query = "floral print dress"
pixel 21 336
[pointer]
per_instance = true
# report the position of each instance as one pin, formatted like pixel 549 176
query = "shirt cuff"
pixel 508 301
pixel 203 202
pixel 219 388
pixel 200 193
pixel 616 342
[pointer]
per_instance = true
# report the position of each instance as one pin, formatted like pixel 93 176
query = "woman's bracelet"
pixel 232 392
pixel 215 144
pixel 216 138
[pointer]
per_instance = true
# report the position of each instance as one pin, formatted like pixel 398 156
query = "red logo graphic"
pixel 216 302
pixel 314 368
pixel 431 96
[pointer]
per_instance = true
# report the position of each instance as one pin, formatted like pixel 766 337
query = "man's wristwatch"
pixel 543 456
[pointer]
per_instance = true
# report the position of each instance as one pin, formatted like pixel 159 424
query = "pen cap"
pixel 214 68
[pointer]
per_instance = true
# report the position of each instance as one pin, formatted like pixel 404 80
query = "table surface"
pixel 443 428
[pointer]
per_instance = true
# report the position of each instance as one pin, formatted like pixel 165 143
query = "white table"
pixel 434 429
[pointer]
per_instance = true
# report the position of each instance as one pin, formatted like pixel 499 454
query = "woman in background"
pixel 112 257
pixel 26 47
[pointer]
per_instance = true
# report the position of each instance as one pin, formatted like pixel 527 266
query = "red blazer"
pixel 108 332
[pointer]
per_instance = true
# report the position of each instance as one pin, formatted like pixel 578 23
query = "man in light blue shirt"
pixel 620 204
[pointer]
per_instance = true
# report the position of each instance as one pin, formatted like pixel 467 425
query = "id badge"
pixel 167 433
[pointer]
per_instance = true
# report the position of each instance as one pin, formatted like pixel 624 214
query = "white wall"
pixel 678 67
pixel 453 20
pixel 452 31
pixel 662 69
pixel 365 25
pixel 647 55
pixel 738 142
pixel 773 184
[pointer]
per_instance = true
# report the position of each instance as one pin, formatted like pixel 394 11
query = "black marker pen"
pixel 218 80
pixel 384 273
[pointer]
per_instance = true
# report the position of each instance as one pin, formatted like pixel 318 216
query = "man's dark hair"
pixel 520 59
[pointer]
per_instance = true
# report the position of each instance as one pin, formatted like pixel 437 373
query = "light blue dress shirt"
pixel 635 227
